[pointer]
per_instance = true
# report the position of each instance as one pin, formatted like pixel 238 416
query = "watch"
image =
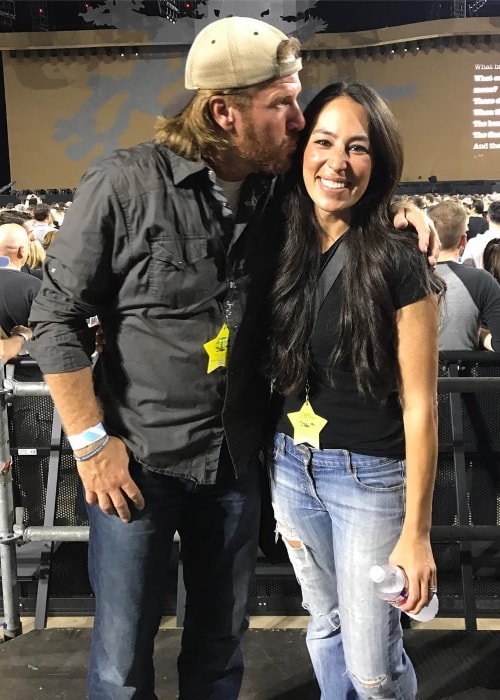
pixel 22 334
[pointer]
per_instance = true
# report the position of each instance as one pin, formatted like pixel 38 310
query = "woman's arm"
pixel 418 330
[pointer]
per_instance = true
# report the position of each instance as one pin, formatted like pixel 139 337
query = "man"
pixel 43 221
pixel 23 218
pixel 476 223
pixel 17 290
pixel 470 312
pixel 473 253
pixel 169 244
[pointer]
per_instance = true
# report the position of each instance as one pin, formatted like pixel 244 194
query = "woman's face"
pixel 337 162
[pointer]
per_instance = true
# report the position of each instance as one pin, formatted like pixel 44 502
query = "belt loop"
pixel 280 443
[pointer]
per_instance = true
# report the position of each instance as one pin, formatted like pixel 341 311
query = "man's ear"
pixel 222 112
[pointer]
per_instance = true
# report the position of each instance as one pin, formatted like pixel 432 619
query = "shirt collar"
pixel 182 168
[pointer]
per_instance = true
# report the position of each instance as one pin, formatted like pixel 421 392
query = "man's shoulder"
pixel 133 170
pixel 128 157
pixel 19 279
pixel 483 239
pixel 476 278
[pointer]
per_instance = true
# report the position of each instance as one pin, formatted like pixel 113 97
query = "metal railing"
pixel 14 533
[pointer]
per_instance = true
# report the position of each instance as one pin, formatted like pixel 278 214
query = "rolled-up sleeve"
pixel 77 277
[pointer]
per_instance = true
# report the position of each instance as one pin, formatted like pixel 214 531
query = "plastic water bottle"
pixel 391 585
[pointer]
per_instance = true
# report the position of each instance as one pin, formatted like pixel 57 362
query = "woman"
pixel 491 258
pixel 36 258
pixel 358 382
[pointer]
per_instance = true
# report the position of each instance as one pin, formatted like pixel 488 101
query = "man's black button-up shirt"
pixel 151 247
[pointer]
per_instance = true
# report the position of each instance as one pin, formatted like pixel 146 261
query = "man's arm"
pixel 12 346
pixel 77 282
pixel 408 215
pixel 106 477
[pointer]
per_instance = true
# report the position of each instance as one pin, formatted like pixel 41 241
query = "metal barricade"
pixel 12 530
pixel 459 442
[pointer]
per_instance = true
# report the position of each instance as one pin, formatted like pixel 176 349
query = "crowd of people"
pixel 262 294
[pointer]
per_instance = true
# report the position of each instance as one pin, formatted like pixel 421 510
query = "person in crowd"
pixel 476 222
pixel 355 450
pixel 49 238
pixel 17 290
pixel 36 257
pixel 172 245
pixel 43 221
pixel 470 317
pixel 491 258
pixel 23 218
pixel 473 253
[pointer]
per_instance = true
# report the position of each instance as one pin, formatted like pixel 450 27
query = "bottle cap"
pixel 377 573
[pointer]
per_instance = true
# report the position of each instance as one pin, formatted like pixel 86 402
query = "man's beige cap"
pixel 236 52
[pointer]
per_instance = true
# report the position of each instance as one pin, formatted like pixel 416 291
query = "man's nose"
pixel 297 121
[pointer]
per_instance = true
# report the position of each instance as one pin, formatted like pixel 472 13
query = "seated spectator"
pixel 49 237
pixel 491 258
pixel 43 220
pixel 17 290
pixel 473 253
pixel 472 296
pixel 58 211
pixel 477 223
pixel 23 218
pixel 36 257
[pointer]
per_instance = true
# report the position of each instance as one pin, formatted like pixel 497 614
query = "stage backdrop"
pixel 72 98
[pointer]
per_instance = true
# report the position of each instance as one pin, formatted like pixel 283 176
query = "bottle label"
pixel 400 599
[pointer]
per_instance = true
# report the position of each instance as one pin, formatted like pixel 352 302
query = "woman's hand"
pixel 414 555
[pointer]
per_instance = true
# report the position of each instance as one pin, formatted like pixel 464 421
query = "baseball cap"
pixel 236 52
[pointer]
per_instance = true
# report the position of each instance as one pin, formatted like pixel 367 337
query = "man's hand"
pixel 107 481
pixel 428 240
pixel 24 330
pixel 10 347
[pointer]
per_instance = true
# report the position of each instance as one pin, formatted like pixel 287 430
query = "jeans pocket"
pixel 377 473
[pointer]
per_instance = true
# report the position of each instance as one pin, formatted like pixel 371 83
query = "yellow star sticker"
pixel 217 349
pixel 307 425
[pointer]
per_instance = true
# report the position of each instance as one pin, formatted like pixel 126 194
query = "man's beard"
pixel 265 159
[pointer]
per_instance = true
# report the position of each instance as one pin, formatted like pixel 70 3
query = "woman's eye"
pixel 358 148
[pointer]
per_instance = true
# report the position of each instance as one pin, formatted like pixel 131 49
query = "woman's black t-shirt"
pixel 355 423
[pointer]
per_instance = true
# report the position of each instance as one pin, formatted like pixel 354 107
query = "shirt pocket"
pixel 179 271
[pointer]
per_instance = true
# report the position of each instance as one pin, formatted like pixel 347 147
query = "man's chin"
pixel 278 167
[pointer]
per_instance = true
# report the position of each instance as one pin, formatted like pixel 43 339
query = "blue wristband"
pixel 87 437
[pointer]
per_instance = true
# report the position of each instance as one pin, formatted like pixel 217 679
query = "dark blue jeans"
pixel 218 526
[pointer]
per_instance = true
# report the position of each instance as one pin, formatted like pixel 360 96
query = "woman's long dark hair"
pixel 491 258
pixel 367 339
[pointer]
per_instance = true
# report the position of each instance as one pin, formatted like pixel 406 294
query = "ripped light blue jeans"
pixel 338 514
